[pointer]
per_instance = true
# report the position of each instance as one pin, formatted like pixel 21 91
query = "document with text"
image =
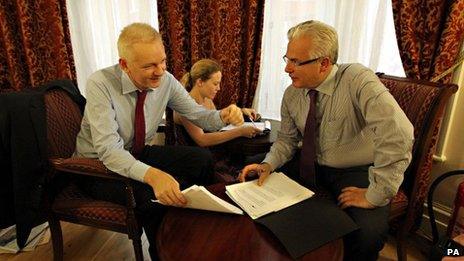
pixel 198 197
pixel 263 126
pixel 277 192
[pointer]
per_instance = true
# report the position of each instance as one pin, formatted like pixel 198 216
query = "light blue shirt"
pixel 107 128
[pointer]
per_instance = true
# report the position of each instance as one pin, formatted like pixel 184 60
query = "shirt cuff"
pixel 138 170
pixel 271 161
pixel 376 197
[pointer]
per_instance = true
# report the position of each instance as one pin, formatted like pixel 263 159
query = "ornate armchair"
pixel 63 118
pixel 424 104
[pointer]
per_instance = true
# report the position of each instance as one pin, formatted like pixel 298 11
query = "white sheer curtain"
pixel 366 35
pixel 95 27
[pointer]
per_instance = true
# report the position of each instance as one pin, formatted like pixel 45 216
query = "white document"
pixel 199 197
pixel 263 126
pixel 277 192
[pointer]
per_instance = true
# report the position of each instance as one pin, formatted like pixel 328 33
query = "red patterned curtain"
pixel 35 45
pixel 430 35
pixel 226 30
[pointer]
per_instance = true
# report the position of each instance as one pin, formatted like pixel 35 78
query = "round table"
pixel 187 234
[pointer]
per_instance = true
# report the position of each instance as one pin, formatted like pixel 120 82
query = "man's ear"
pixel 123 64
pixel 325 64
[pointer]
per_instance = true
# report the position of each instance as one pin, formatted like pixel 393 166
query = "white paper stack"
pixel 199 197
pixel 263 126
pixel 277 192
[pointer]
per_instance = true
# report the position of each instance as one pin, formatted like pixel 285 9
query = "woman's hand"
pixel 250 113
pixel 249 131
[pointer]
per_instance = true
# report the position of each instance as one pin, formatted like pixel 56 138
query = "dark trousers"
pixel 366 242
pixel 189 165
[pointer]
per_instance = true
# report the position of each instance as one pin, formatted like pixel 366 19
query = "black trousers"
pixel 366 242
pixel 189 165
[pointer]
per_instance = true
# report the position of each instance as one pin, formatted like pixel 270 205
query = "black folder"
pixel 308 225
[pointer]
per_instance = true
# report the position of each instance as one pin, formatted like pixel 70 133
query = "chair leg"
pixel 57 238
pixel 401 245
pixel 137 242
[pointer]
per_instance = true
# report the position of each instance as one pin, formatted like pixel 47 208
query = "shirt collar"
pixel 127 85
pixel 327 87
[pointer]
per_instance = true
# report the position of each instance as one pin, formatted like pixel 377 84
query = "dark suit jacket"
pixel 23 156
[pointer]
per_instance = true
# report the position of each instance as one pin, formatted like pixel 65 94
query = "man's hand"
pixel 353 197
pixel 263 170
pixel 232 115
pixel 166 188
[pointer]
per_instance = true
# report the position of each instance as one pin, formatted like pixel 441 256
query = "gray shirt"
pixel 359 122
pixel 107 128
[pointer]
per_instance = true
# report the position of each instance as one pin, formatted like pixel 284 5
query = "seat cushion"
pixel 74 203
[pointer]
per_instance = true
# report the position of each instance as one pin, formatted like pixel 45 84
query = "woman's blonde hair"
pixel 136 33
pixel 324 37
pixel 203 69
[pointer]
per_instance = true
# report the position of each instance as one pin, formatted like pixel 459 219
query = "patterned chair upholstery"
pixel 424 104
pixel 63 118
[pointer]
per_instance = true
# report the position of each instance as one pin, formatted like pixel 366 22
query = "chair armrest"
pixel 85 166
pixel 94 168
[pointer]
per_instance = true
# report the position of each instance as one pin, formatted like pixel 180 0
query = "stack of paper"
pixel 263 126
pixel 277 192
pixel 198 197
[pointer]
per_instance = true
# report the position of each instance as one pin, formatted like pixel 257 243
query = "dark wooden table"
pixel 187 234
pixel 241 148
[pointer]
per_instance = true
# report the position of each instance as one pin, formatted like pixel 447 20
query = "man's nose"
pixel 289 68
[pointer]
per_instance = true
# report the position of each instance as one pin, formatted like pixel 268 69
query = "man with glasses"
pixel 355 139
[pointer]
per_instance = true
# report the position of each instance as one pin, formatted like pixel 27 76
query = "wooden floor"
pixel 86 243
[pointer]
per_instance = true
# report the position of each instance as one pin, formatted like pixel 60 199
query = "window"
pixel 366 35
pixel 95 27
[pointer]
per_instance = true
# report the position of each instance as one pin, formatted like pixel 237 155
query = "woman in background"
pixel 203 82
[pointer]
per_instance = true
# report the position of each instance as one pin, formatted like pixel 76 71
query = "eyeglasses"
pixel 297 63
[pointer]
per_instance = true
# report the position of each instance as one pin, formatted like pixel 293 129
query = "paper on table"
pixel 199 197
pixel 277 192
pixel 263 126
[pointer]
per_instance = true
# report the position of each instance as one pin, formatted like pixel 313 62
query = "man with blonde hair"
pixel 355 140
pixel 125 105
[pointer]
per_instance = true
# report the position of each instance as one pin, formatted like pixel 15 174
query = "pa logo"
pixel 452 252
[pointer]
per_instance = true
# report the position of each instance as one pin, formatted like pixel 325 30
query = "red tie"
pixel 139 124
pixel 308 150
